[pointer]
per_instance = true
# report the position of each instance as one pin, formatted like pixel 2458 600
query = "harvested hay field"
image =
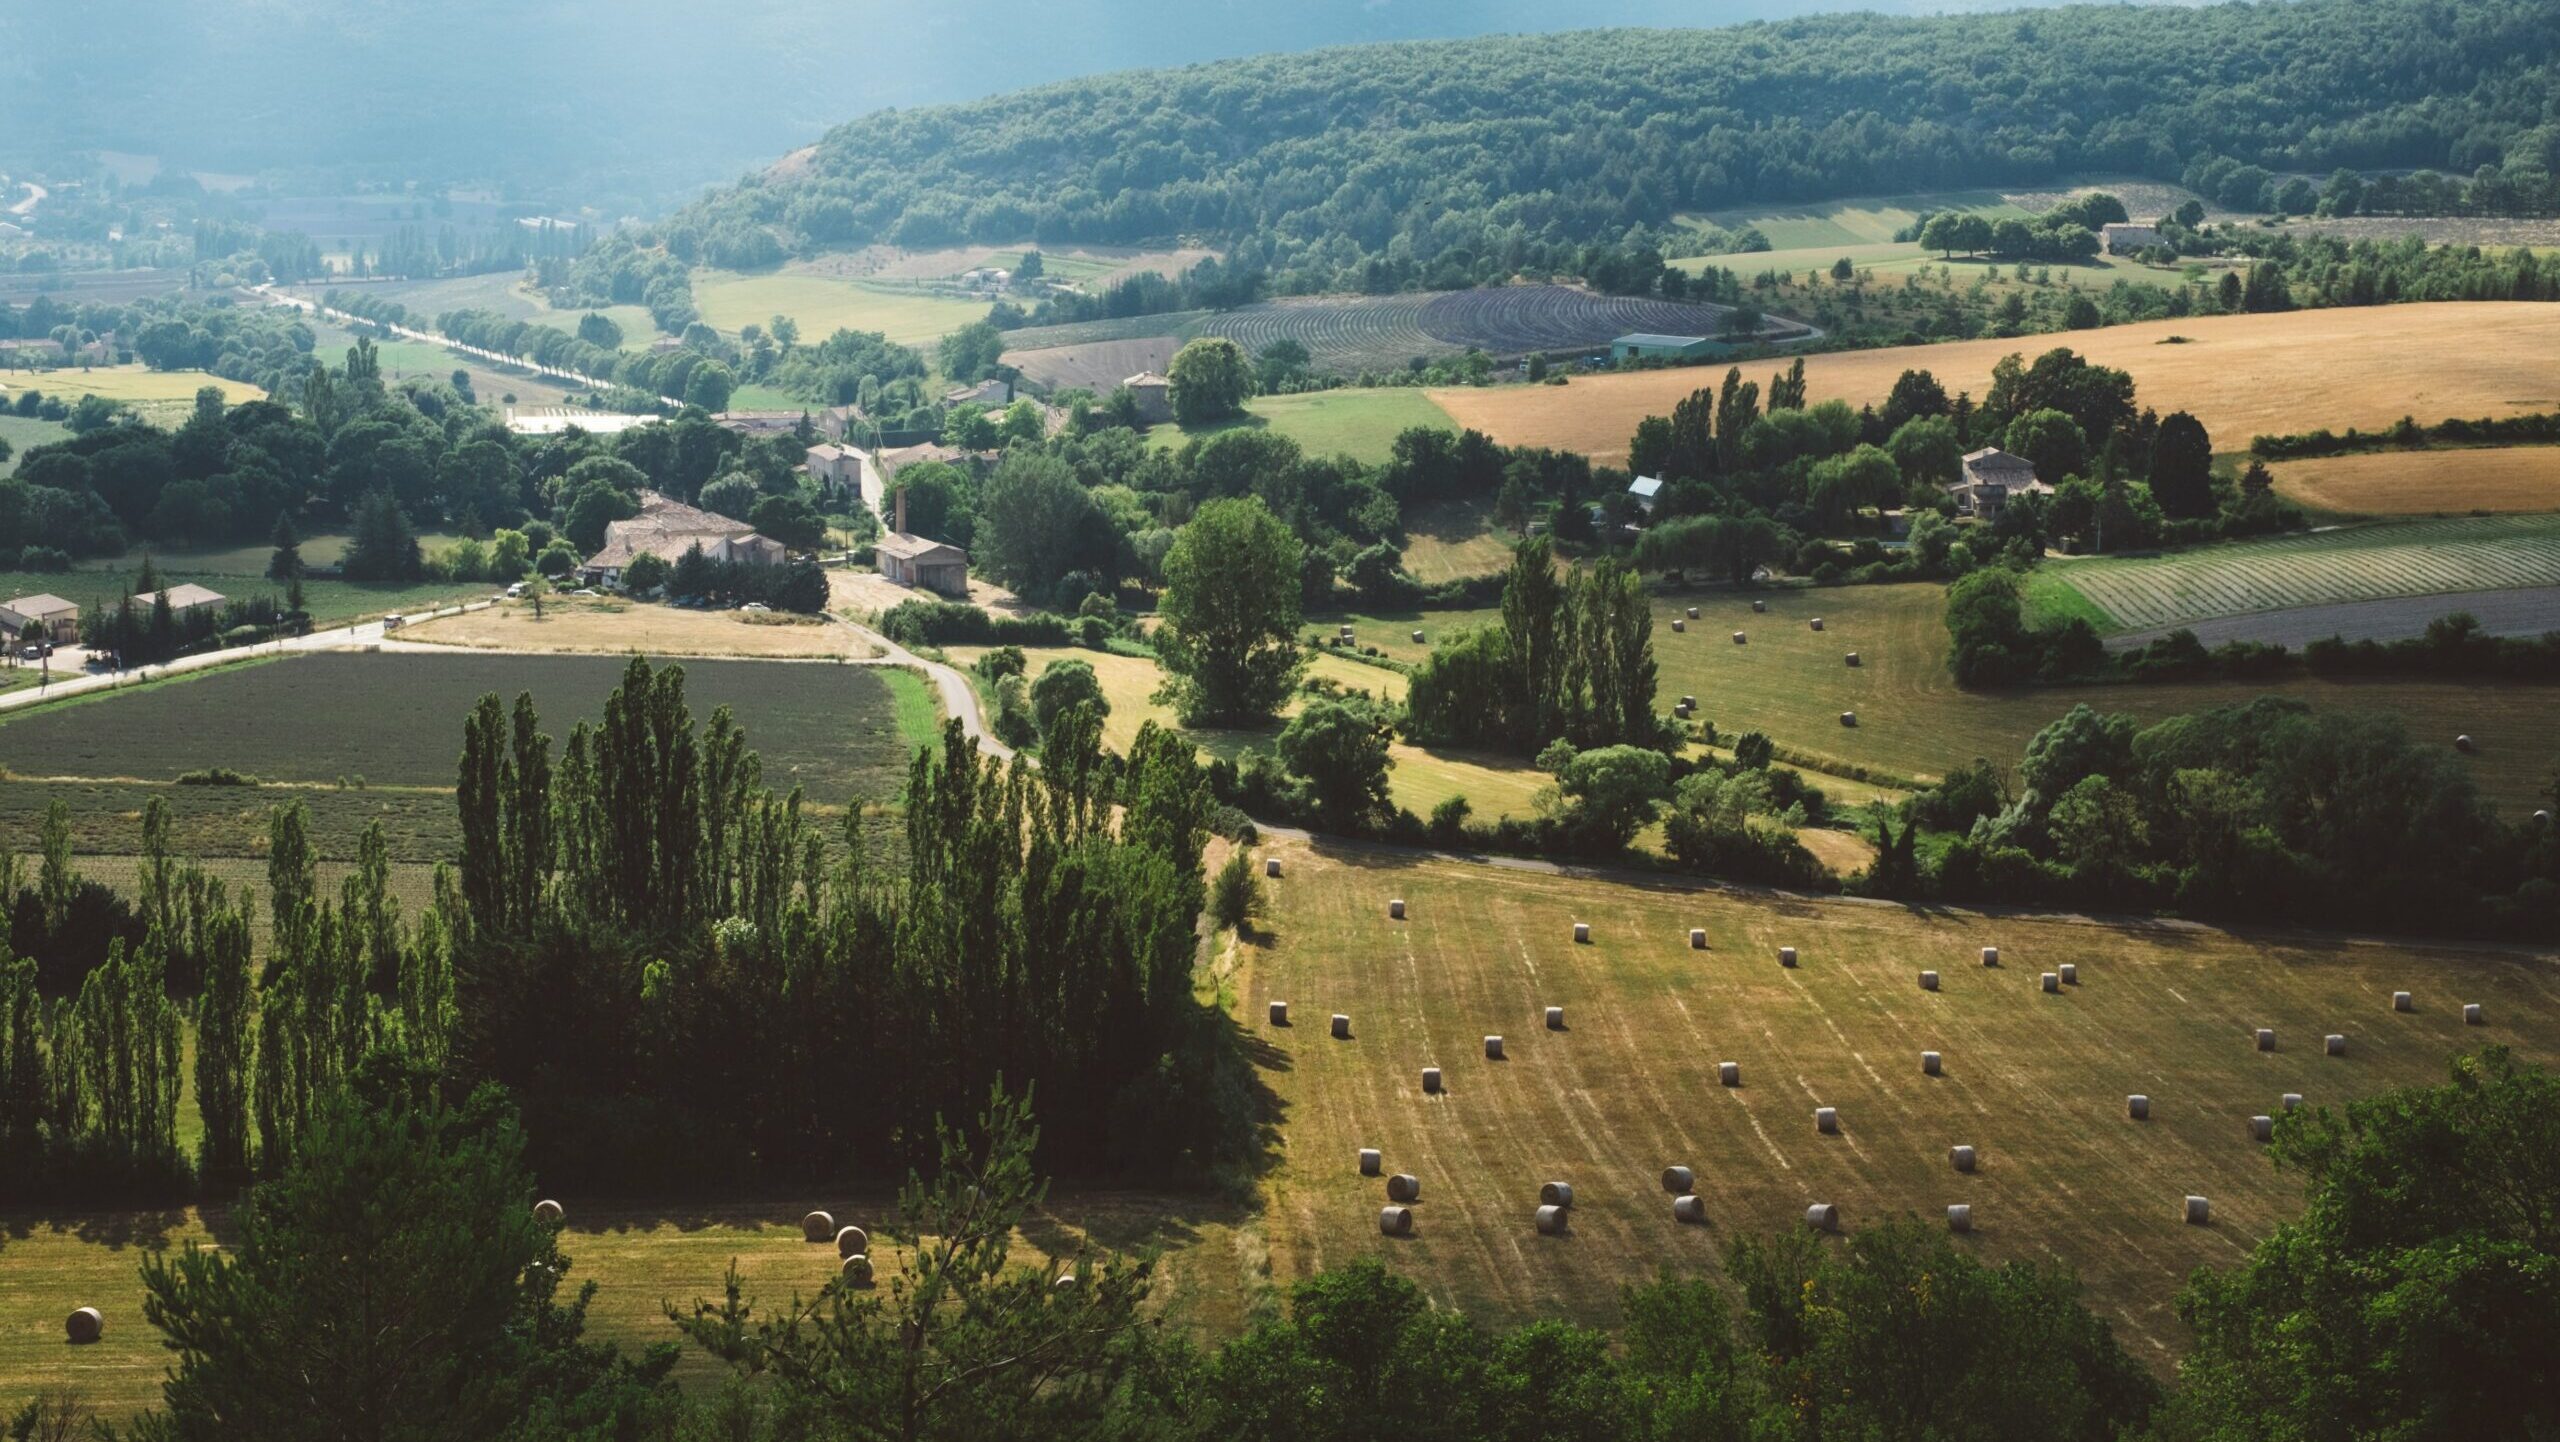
pixel 1098 366
pixel 2347 563
pixel 641 1257
pixel 1452 540
pixel 2243 376
pixel 2532 611
pixel 2037 1083
pixel 2426 483
pixel 623 627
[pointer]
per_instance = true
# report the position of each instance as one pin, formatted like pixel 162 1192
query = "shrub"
pixel 216 776
pixel 953 623
pixel 1235 895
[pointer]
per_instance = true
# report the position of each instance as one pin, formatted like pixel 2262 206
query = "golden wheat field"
pixel 2426 483
pixel 2243 375
pixel 2037 1083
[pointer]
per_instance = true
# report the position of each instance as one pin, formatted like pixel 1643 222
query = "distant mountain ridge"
pixel 1438 162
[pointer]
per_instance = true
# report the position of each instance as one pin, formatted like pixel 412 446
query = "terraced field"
pixel 2361 563
pixel 2037 1083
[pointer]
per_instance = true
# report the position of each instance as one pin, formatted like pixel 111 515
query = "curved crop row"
pixel 1355 333
pixel 1515 320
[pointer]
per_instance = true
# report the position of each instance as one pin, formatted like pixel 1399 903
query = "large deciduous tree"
pixel 1212 379
pixel 1231 612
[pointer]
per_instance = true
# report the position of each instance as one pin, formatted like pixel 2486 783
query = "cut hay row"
pixel 2037 1084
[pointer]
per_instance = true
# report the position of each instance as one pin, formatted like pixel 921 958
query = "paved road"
pixel 35 197
pixel 269 293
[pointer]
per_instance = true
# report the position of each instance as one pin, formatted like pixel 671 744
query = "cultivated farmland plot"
pixel 2416 558
pixel 1383 332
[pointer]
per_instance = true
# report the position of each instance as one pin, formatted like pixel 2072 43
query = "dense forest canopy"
pixel 1318 162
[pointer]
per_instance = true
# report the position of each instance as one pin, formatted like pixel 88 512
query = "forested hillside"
pixel 1443 162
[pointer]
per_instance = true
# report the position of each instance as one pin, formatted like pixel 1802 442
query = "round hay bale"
pixel 1555 1194
pixel 1395 909
pixel 547 1210
pixel 1681 711
pixel 2138 1107
pixel 1431 1081
pixel 1851 661
pixel 2262 1129
pixel 1822 1217
pixel 1697 938
pixel 1826 1120
pixel 1271 866
pixel 1689 701
pixel 2266 1038
pixel 1931 1064
pixel 1066 1282
pixel 1493 1048
pixel 2070 973
pixel 1551 1221
pixel 1757 607
pixel 1849 719
pixel 2334 1044
pixel 2542 818
pixel 1689 1209
pixel 84 1326
pixel 1959 1217
pixel 852 1240
pixel 2052 982
pixel 1740 639
pixel 1678 626
pixel 2402 1001
pixel 2465 745
pixel 1928 981
pixel 1582 933
pixel 1395 1221
pixel 1346 633
pixel 1693 612
pixel 817 1227
pixel 1404 1187
pixel 2199 1211
pixel 1729 1073
pixel 1341 1027
pixel 1817 623
pixel 1991 956
pixel 1417 638
pixel 2472 1015
pixel 1279 1013
pixel 1555 1018
pixel 2292 1101
pixel 1786 956
pixel 1676 1180
pixel 1961 1158
pixel 1371 1162
pixel 857 1270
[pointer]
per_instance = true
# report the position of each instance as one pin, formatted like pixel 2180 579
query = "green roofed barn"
pixel 1646 346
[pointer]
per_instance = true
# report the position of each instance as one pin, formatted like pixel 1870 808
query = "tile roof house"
pixel 60 618
pixel 912 560
pixel 667 529
pixel 1991 477
pixel 2121 238
pixel 837 469
pixel 1155 397
pixel 182 599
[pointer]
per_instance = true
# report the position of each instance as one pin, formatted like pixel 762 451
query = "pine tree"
pixel 286 563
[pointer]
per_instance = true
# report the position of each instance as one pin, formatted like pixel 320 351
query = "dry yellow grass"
pixel 2036 1082
pixel 2426 483
pixel 2243 376
pixel 616 627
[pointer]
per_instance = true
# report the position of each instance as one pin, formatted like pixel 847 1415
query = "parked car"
pixel 516 591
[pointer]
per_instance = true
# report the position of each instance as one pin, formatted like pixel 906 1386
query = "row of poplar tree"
pixel 686 979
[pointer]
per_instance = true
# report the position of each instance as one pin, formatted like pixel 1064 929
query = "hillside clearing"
pixel 2426 483
pixel 2036 1082
pixel 825 304
pixel 2243 375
